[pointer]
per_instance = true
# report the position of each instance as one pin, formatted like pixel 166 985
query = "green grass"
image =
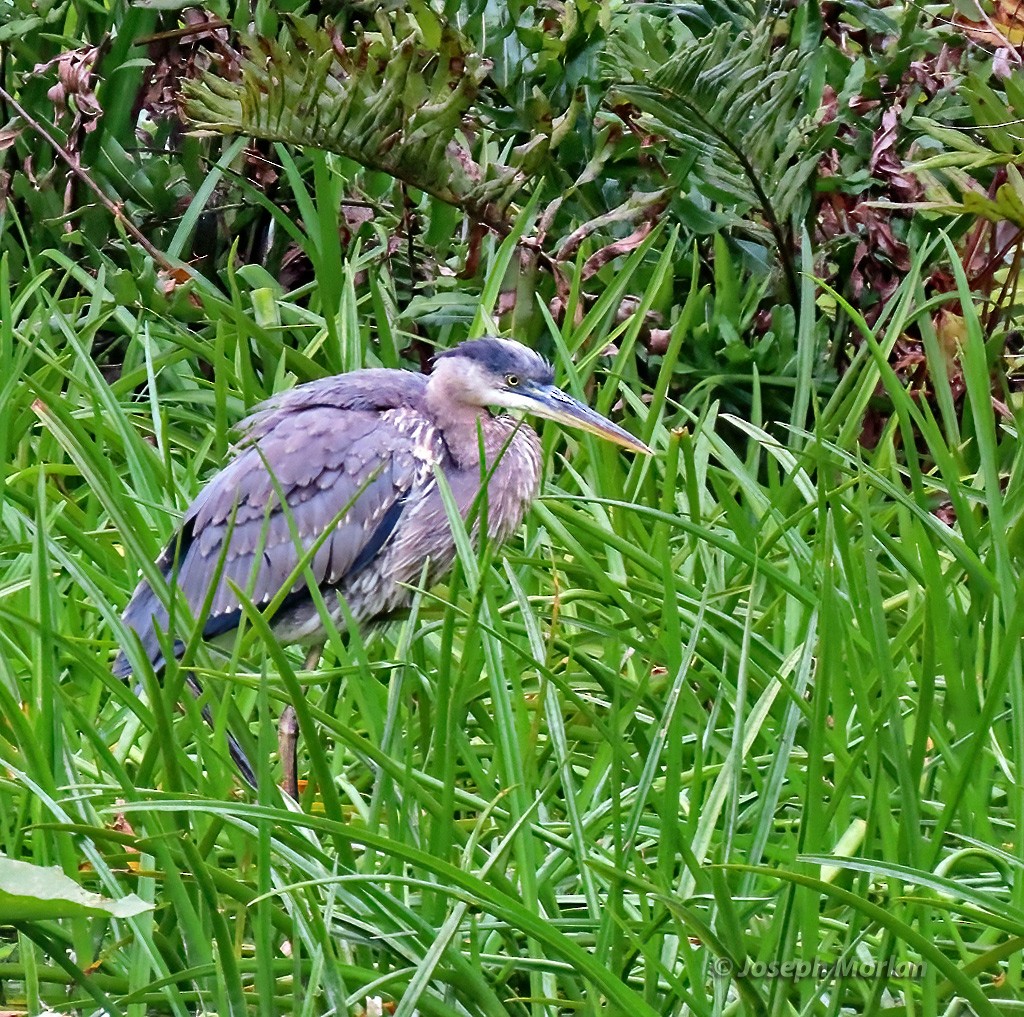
pixel 747 701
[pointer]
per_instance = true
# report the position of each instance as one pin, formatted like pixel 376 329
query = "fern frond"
pixel 732 101
pixel 387 101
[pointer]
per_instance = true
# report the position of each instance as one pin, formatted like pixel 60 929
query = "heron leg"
pixel 288 734
pixel 287 748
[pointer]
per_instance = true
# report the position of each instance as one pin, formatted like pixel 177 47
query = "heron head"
pixel 502 372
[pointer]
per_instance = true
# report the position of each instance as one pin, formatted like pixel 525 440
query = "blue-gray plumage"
pixel 369 443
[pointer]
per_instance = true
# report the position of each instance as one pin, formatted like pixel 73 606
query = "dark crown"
pixel 504 356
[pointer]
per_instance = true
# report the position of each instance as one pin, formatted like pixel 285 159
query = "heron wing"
pixel 326 456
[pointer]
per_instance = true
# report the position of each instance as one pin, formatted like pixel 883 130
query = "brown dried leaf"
pixel 260 170
pixel 659 340
pixel 829 105
pixel 185 53
pixel 506 302
pixel 74 89
pixel 885 162
pixel 171 279
pixel 880 236
pixel 1004 27
pixel 356 215
pixel 936 72
pixel 641 206
pixel 608 253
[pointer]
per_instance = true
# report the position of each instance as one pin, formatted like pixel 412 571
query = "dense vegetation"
pixel 756 700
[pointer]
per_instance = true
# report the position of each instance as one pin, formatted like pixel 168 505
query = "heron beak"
pixel 553 404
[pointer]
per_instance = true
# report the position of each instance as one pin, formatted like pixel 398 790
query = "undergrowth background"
pixel 754 700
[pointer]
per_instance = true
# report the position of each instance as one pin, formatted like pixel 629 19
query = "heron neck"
pixel 459 422
pixel 461 426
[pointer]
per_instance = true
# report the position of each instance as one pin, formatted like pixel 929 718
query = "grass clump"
pixel 732 729
pixel 747 703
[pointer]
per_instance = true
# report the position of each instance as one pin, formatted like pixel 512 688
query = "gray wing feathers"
pixel 323 447
pixel 372 389
pixel 262 551
pixel 144 613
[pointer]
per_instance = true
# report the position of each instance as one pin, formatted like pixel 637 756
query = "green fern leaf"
pixel 386 101
pixel 731 101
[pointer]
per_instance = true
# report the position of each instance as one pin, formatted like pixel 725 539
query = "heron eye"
pixel 511 380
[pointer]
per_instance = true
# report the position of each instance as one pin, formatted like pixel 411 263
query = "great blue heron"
pixel 357 454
